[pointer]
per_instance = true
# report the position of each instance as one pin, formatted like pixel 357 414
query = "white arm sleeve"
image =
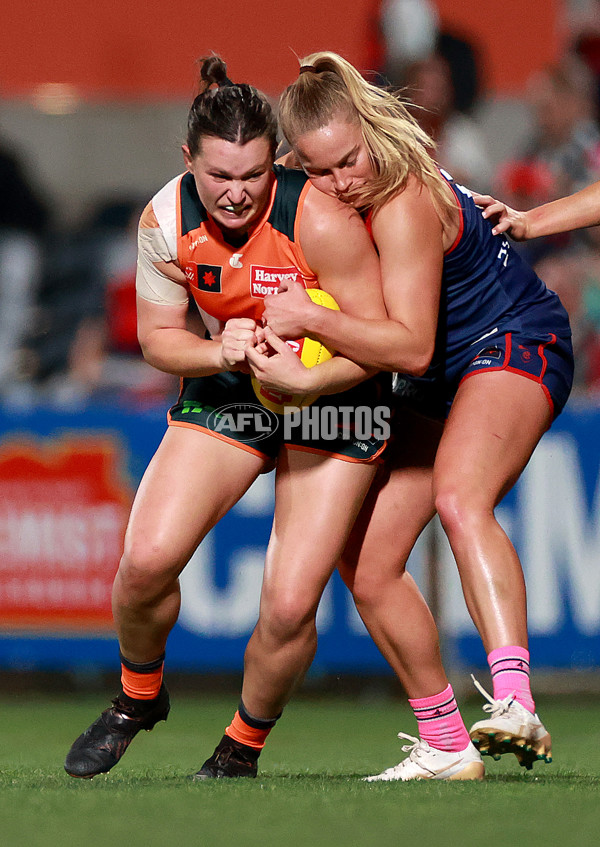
pixel 152 284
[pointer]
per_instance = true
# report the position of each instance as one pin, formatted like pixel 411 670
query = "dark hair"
pixel 235 112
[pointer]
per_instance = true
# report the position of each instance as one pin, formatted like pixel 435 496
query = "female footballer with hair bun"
pixel 476 340
pixel 202 236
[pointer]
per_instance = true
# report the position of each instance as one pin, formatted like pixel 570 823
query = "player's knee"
pixel 368 586
pixel 286 618
pixel 459 510
pixel 144 571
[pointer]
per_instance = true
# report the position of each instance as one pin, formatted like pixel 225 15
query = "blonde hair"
pixel 397 146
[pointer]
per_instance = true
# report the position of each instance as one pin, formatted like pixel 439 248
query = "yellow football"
pixel 310 353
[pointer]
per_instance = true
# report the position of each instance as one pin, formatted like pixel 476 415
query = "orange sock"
pixel 250 731
pixel 142 681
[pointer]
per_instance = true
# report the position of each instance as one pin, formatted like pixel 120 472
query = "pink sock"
pixel 509 667
pixel 440 722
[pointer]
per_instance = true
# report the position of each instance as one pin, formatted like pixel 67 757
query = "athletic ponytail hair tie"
pixel 306 69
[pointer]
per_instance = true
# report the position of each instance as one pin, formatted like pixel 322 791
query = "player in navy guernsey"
pixel 483 359
pixel 491 301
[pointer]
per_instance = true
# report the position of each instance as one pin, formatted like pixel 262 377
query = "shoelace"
pixel 416 748
pixel 494 707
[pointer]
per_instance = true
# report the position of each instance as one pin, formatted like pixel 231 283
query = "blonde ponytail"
pixel 397 146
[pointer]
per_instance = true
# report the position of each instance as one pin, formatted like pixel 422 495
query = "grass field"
pixel 309 791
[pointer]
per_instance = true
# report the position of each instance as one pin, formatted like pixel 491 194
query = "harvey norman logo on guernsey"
pixel 264 280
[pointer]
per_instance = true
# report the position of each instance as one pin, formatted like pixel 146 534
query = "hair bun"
pixel 213 70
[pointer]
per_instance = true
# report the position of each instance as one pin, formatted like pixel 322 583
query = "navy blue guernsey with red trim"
pixel 488 289
pixel 491 301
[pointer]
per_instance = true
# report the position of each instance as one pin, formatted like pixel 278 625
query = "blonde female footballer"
pixel 478 342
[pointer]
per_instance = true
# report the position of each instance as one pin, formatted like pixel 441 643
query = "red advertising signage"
pixel 63 511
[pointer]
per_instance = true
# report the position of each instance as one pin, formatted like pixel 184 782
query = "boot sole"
pixel 496 743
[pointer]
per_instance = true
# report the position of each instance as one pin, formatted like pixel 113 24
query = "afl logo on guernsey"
pixel 264 281
pixel 204 277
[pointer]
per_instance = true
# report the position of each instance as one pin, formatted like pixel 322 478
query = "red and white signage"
pixel 63 511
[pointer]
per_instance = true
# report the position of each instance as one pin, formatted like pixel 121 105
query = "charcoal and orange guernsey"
pixel 223 279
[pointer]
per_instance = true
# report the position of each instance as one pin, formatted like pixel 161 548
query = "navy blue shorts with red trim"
pixel 545 358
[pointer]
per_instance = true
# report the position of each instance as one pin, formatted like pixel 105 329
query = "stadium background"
pixel 96 105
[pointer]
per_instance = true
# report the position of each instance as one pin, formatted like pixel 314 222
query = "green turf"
pixel 308 793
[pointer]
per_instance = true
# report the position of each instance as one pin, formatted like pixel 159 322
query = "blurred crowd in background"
pixel 67 295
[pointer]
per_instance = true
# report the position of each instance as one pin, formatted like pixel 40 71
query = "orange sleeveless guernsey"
pixel 230 280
